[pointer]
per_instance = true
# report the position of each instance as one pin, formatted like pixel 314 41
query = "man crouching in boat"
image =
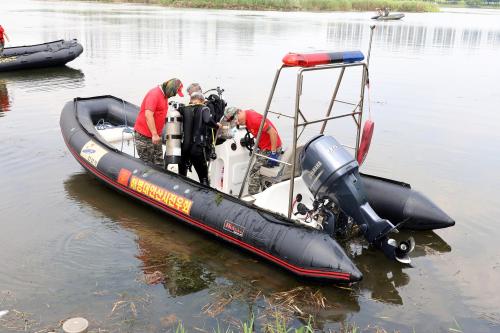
pixel 269 145
pixel 151 120
pixel 196 123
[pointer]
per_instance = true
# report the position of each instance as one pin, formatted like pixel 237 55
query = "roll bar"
pixel 305 66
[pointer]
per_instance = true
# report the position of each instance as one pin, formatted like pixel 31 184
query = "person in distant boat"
pixel 386 11
pixel 151 120
pixel 3 36
pixel 195 145
pixel 269 145
pixel 379 12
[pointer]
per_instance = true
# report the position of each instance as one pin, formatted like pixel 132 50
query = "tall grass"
pixel 298 5
pixel 279 326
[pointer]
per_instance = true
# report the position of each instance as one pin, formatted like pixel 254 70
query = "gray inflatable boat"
pixel 55 53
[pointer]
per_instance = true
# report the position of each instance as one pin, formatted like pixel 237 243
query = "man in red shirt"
pixel 151 120
pixel 2 41
pixel 269 145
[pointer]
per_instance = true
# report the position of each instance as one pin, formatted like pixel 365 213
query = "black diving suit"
pixel 195 143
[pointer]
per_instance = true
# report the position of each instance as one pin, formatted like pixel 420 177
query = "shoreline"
pixel 290 5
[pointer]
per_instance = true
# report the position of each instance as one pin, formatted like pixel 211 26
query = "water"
pixel 70 246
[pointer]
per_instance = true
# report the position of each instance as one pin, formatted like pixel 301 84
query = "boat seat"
pixel 282 171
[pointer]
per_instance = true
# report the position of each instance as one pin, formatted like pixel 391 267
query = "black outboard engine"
pixel 329 171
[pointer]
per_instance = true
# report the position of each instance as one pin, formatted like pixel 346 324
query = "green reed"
pixel 298 5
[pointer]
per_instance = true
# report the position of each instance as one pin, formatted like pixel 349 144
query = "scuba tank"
pixel 173 125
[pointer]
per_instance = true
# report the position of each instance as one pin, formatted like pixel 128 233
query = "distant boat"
pixel 389 17
pixel 50 54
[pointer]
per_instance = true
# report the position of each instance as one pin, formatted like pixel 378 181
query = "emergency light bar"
pixel 324 58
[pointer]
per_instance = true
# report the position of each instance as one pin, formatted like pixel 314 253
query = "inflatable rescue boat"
pixel 55 53
pixel 313 200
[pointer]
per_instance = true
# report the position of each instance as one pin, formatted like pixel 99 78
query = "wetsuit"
pixel 195 141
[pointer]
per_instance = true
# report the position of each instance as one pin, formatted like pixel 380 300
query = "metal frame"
pixel 356 114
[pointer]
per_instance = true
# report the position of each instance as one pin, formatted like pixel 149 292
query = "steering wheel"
pixel 248 141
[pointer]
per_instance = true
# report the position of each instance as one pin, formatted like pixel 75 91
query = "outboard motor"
pixel 330 172
pixel 173 127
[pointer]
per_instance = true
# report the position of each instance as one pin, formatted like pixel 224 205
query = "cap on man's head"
pixel 230 112
pixel 173 87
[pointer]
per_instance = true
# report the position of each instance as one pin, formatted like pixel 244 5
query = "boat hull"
pixel 390 17
pixel 55 53
pixel 305 252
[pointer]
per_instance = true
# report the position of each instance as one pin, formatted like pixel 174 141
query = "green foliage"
pixel 402 6
pixel 180 328
pixel 473 3
pixel 280 325
pixel 307 5
pixel 248 327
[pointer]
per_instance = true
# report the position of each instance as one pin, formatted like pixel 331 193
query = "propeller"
pixel 400 252
pixel 404 248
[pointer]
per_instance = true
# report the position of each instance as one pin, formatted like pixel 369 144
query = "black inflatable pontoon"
pixel 305 252
pixel 55 53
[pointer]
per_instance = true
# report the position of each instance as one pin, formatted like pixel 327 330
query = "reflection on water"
pixel 384 280
pixel 177 33
pixel 33 81
pixel 45 80
pixel 4 98
pixel 413 38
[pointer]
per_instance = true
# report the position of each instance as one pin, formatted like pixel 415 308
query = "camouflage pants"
pixel 2 44
pixel 254 175
pixel 148 152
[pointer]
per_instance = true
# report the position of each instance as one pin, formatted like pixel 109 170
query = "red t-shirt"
pixel 157 102
pixel 1 33
pixel 253 123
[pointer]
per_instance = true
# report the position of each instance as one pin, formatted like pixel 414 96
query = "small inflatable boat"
pixel 55 53
pixel 390 17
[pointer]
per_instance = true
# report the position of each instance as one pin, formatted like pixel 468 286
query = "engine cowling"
pixel 330 171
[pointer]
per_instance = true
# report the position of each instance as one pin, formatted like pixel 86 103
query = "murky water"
pixel 70 246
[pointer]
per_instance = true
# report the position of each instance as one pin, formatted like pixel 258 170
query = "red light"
pixel 306 60
pixel 314 59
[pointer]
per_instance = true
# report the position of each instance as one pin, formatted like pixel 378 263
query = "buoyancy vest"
pixel 187 113
pixel 200 129
pixel 217 106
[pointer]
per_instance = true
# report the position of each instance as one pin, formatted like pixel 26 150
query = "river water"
pixel 72 247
